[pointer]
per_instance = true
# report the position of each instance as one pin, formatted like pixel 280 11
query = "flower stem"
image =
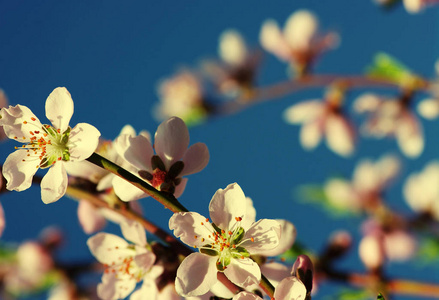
pixel 168 200
pixel 266 286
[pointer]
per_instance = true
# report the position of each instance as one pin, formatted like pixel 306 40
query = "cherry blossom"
pixel 165 169
pixel 290 288
pixel 3 102
pixel 45 146
pixel 421 190
pixel 390 117
pixel 363 192
pixel 323 118
pixel 225 244
pixel 299 43
pixel 126 264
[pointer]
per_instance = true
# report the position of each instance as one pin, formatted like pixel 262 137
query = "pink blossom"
pixel 165 169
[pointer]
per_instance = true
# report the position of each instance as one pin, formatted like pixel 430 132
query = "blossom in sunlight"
pixel 323 118
pixel 364 190
pixel 390 117
pixel 246 296
pixel 165 169
pixel 421 190
pixel 290 288
pixel 45 146
pixel 225 244
pixel 126 264
pixel 181 95
pixel 300 42
pixel 235 76
pixel 3 102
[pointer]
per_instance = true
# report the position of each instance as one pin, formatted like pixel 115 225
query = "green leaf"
pixel 389 68
pixel 380 297
pixel 428 250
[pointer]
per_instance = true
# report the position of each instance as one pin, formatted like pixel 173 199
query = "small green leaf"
pixel 380 297
pixel 389 68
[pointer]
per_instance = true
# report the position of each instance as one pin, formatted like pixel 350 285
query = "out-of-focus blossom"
pixel 225 244
pixel 182 95
pixel 127 264
pixel 385 242
pixel 414 6
pixel 46 146
pixel 421 190
pixel 32 265
pixel 300 42
pixel 323 118
pixel 368 182
pixel 429 107
pixel 3 103
pixel 390 117
pixel 235 76
pixel 165 169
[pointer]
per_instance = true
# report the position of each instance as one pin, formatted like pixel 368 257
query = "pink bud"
pixel 303 269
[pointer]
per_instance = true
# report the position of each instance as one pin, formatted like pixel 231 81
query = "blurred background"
pixel 112 56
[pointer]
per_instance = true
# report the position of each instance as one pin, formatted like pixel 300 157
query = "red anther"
pixel 24 122
pixel 252 239
pixel 33 119
pixel 207 219
pixel 230 233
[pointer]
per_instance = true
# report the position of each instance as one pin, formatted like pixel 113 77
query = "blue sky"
pixel 110 56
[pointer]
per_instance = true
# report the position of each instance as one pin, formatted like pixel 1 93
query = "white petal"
pixel 112 288
pixel 341 194
pixel 179 189
pixel 137 150
pixel 126 191
pixel 311 134
pixel 18 172
pixel 300 29
pixel 367 103
pixel 196 274
pixel 275 272
pixel 371 251
pixel 409 135
pixel 232 47
pixel 148 290
pixel 195 159
pixel 250 214
pixel 304 112
pixel 243 272
pixel 59 108
pixel 287 238
pixel 54 183
pixel 90 218
pixel 83 141
pixel 109 248
pixel 145 260
pixel 226 205
pixel 290 288
pixel 17 122
pixel 191 228
pixel 266 235
pixel 429 108
pixel 414 6
pixel 133 232
pixel 366 177
pixel 171 140
pixel 272 40
pixel 339 135
pixel 399 246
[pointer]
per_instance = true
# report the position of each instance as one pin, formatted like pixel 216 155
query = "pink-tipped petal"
pixel 171 140
pixel 59 108
pixel 179 189
pixel 18 172
pixel 83 141
pixel 195 159
pixel 226 205
pixel 196 275
pixel 54 183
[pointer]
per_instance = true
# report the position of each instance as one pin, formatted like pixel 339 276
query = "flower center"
pixel 158 177
pixel 125 266
pixel 46 144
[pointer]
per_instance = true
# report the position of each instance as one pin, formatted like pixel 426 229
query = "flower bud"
pixel 303 269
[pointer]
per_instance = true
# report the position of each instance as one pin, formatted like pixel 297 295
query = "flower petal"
pixel 112 288
pixel 83 141
pixel 304 112
pixel 18 171
pixel 59 108
pixel 288 237
pixel 243 272
pixel 54 183
pixel 18 121
pixel 301 27
pixel 179 189
pixel 311 134
pixel 171 140
pixel 226 205
pixel 148 290
pixel 195 159
pixel 89 217
pixel 339 135
pixel 192 228
pixel 409 136
pixel 137 150
pixel 126 191
pixel 232 47
pixel 195 275
pixel 272 40
pixel 290 288
pixel 250 214
pixel 133 232
pixel 265 234
pixel 246 296
pixel 108 248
